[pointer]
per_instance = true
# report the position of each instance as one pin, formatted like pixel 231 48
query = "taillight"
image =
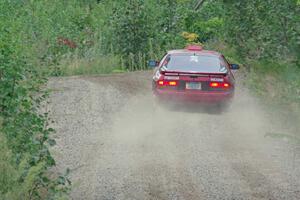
pixel 167 83
pixel 173 83
pixel 226 85
pixel 161 83
pixel 214 84
pixel 219 85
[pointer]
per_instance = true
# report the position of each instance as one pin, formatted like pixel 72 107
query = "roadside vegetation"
pixel 266 36
pixel 24 132
pixel 46 38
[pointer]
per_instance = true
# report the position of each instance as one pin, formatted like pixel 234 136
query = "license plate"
pixel 193 86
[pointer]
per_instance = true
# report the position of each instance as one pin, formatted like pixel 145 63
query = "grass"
pixel 100 65
pixel 276 82
pixel 6 169
pixel 20 181
pixel 10 186
pixel 91 64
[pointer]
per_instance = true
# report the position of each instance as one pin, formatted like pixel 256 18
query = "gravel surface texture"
pixel 119 144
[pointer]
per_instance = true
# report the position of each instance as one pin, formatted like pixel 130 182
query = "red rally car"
pixel 194 74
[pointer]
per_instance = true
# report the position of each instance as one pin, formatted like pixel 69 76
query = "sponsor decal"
pixel 171 77
pixel 217 79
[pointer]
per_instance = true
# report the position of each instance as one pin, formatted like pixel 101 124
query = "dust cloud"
pixel 123 145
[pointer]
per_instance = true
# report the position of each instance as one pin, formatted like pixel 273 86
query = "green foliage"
pixel 104 64
pixel 140 28
pixel 54 37
pixel 264 28
pixel 278 81
pixel 208 22
pixel 266 34
pixel 24 133
pixel 209 29
pixel 130 30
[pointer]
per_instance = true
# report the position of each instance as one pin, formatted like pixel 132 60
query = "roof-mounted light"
pixel 194 48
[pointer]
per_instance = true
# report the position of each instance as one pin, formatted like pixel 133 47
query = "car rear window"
pixel 193 63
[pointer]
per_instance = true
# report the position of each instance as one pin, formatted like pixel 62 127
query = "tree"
pixel 130 29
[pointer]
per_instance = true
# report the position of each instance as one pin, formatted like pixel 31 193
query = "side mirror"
pixel 153 63
pixel 234 66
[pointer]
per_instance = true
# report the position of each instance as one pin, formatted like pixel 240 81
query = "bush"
pixel 24 133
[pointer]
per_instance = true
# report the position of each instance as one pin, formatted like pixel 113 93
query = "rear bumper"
pixel 194 96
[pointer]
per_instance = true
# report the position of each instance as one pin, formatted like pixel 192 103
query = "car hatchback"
pixel 194 74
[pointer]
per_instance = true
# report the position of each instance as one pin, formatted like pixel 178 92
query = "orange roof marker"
pixel 194 48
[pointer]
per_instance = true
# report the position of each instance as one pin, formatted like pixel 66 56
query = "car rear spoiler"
pixel 183 73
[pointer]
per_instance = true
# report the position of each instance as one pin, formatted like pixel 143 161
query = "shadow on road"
pixel 213 109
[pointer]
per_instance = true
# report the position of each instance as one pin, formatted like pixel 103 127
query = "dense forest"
pixel 42 38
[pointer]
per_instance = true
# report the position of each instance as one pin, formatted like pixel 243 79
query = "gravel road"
pixel 120 145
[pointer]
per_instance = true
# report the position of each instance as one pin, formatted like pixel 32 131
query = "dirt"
pixel 119 144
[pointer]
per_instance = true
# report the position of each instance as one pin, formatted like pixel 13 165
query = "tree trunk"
pixel 199 4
